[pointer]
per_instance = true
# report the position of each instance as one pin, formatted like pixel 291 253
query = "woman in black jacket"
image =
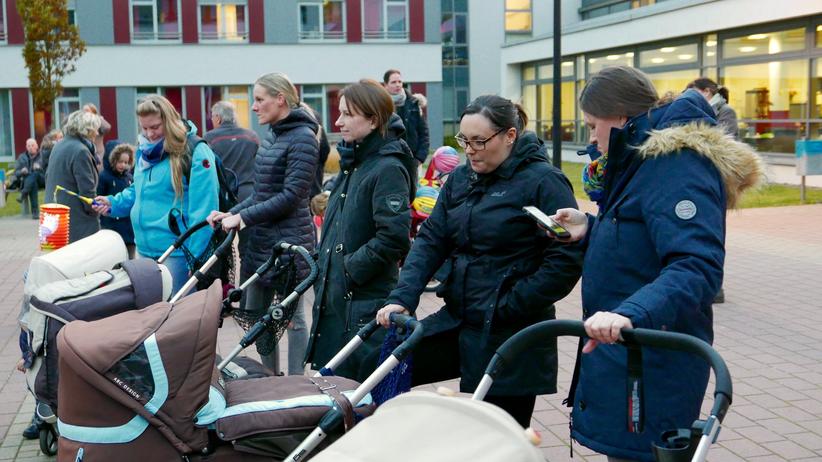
pixel 506 274
pixel 278 209
pixel 366 227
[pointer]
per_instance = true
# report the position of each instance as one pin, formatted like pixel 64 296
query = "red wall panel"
pixel 256 21
pixel 14 26
pixel 416 20
pixel 188 13
pixel 353 20
pixel 194 107
pixel 122 28
pixel 108 109
pixel 21 117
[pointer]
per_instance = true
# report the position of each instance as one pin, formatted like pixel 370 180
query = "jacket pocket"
pixel 361 312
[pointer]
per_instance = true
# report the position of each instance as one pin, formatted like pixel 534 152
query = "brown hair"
pixel 118 150
pixel 618 91
pixel 176 135
pixel 704 83
pixel 371 100
pixel 501 112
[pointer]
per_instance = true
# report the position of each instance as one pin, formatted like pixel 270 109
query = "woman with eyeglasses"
pixel 506 274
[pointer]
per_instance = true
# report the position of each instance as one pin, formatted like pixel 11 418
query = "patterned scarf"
pixel 593 175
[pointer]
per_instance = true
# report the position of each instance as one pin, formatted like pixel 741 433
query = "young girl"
pixel 115 177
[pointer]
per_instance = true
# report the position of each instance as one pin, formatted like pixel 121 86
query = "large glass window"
pixel 518 17
pixel 595 8
pixel 672 82
pixel 385 19
pixel 538 98
pixel 669 56
pixel 65 105
pixel 598 63
pixel 325 100
pixel 769 98
pixel 2 21
pixel 173 94
pixel 237 94
pixel 6 146
pixel 223 20
pixel 155 20
pixel 322 21
pixel 816 90
pixel 764 44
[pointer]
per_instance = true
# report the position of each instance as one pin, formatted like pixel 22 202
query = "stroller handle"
pixel 516 345
pixel 401 320
pixel 175 228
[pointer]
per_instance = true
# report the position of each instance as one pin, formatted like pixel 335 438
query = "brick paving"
pixel 768 331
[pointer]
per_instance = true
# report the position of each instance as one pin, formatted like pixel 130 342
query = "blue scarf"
pixel 149 153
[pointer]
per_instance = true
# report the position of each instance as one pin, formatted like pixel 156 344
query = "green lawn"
pixel 12 207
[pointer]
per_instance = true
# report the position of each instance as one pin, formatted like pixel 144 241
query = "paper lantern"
pixel 54 226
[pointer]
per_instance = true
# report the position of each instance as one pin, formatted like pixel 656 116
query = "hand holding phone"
pixel 546 222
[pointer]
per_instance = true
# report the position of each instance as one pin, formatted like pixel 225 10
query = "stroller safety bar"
pixel 547 330
pixel 334 418
pixel 182 238
pixel 260 326
pixel 222 251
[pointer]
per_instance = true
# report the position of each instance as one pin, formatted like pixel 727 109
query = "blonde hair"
pixel 82 123
pixel 277 83
pixel 50 139
pixel 175 133
pixel 120 149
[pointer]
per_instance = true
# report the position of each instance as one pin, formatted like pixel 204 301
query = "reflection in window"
pixel 2 21
pixel 223 20
pixel 65 104
pixel 385 19
pixel 673 82
pixel 598 63
pixel 709 50
pixel 517 16
pixel 764 96
pixel 314 96
pixel 322 21
pixel 453 29
pixel 6 148
pixel 764 44
pixel 238 95
pixel 155 20
pixel 669 56
pixel 816 90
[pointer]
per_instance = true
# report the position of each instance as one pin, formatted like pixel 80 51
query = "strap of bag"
pixel 339 399
pixel 572 390
pixel 636 402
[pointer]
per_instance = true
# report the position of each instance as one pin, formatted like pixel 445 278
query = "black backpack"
pixel 229 184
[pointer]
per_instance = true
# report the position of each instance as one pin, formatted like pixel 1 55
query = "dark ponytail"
pixel 501 112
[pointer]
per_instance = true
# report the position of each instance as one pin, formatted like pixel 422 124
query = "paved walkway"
pixel 769 332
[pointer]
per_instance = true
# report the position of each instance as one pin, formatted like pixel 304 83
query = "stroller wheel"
pixel 48 439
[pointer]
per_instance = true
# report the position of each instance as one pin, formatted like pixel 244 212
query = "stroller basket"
pixel 678 445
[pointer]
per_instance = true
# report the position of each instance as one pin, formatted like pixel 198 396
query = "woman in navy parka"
pixel 654 255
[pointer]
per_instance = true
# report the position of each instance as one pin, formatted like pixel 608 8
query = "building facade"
pixel 769 58
pixel 197 52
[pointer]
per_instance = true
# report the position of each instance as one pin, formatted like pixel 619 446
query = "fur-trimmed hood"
pixel 687 124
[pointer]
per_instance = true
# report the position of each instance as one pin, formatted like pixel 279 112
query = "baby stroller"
pixel 448 428
pixel 157 393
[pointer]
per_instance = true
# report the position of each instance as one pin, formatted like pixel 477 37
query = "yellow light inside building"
pixel 710 53
pixel 612 57
pixel 710 43
pixel 592 60
pixel 567 63
pixel 667 49
pixel 757 36
pixel 629 54
pixel 747 49
pixel 658 60
pixel 685 57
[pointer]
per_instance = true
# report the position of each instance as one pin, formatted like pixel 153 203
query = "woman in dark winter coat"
pixel 506 274
pixel 654 256
pixel 72 166
pixel 115 177
pixel 278 209
pixel 366 228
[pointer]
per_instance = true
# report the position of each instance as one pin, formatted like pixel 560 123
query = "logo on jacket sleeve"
pixel 685 210
pixel 206 163
pixel 395 202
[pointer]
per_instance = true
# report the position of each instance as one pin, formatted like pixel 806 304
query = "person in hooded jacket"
pixel 717 96
pixel 277 211
pixel 506 274
pixel 175 174
pixel 366 227
pixel 410 110
pixel 114 178
pixel 654 257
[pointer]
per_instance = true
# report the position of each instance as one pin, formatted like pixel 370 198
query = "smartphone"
pixel 547 222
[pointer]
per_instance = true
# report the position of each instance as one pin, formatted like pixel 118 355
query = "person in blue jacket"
pixel 115 177
pixel 167 176
pixel 654 256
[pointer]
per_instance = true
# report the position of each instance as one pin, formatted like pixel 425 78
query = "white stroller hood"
pixel 424 426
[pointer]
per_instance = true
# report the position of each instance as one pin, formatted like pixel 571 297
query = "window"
pixel 322 21
pixel 764 44
pixel 598 63
pixel 595 8
pixel 818 36
pixel 2 21
pixel 65 105
pixel 223 21
pixel 517 18
pixel 237 94
pixel 173 94
pixel 669 56
pixel 155 20
pixel 769 99
pixel 6 146
pixel 385 19
pixel 325 100
pixel 816 90
pixel 538 98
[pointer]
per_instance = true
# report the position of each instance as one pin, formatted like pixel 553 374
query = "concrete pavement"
pixel 768 331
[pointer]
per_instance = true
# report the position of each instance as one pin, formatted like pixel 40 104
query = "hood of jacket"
pixel 688 123
pixel 298 117
pixel 528 148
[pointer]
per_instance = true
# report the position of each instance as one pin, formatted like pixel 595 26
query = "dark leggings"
pixel 437 358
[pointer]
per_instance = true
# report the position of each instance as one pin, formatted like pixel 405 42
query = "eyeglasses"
pixel 476 145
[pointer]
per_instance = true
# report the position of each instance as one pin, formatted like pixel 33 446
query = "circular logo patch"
pixel 685 210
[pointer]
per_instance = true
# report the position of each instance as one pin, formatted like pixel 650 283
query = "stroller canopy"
pixel 443 429
pixel 128 358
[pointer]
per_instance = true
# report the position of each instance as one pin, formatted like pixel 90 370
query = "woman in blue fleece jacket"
pixel 163 161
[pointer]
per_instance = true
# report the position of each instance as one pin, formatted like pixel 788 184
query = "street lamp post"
pixel 556 129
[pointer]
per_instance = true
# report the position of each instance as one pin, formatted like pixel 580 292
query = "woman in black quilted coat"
pixel 278 209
